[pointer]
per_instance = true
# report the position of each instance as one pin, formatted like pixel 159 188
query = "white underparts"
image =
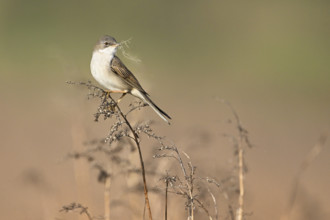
pixel 101 71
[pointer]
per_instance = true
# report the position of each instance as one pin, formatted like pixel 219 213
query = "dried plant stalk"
pixel 239 215
pixel 107 185
pixel 107 109
pixel 77 207
pixel 309 159
pixel 143 172
pixel 243 140
pixel 166 191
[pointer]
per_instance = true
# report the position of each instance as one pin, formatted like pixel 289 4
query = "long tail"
pixel 147 100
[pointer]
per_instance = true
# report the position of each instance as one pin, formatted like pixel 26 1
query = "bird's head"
pixel 106 44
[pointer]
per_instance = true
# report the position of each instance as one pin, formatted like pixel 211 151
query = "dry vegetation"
pixel 201 197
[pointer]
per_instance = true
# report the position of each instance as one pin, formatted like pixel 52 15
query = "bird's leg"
pixel 113 105
pixel 106 94
pixel 121 97
pixel 110 105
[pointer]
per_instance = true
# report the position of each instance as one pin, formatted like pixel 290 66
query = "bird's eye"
pixel 106 43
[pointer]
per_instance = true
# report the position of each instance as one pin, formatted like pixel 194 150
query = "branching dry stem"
pixel 137 142
pixel 309 159
pixel 243 139
pixel 77 206
pixel 108 109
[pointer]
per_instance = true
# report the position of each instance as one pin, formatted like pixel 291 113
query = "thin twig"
pixel 239 215
pixel 203 207
pixel 137 142
pixel 224 193
pixel 243 139
pixel 107 185
pixel 124 44
pixel 310 157
pixel 73 206
pixel 107 108
pixel 215 204
pixel 166 190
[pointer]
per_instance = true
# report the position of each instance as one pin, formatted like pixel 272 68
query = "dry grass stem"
pixel 77 207
pixel 309 159
pixel 110 109
pixel 107 186
pixel 125 44
pixel 186 185
pixel 137 142
pixel 215 204
pixel 168 181
pixel 239 213
pixel 243 139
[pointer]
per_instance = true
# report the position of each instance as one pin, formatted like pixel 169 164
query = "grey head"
pixel 106 41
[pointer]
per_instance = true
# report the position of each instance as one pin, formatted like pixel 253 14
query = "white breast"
pixel 101 71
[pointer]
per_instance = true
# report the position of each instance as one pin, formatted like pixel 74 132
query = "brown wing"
pixel 121 70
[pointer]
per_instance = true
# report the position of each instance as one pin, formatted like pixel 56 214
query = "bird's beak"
pixel 116 45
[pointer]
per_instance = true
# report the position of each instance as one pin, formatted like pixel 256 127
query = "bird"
pixel 109 71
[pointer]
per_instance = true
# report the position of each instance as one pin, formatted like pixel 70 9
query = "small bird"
pixel 110 72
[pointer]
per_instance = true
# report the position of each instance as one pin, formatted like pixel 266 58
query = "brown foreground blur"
pixel 269 60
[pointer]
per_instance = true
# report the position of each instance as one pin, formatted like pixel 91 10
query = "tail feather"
pixel 146 99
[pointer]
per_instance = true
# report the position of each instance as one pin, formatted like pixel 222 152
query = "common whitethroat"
pixel 110 72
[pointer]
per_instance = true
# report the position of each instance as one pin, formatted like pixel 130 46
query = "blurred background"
pixel 270 59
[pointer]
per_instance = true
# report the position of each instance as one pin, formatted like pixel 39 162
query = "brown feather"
pixel 123 72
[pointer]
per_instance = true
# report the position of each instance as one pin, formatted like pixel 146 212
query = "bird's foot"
pixel 121 97
pixel 106 94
